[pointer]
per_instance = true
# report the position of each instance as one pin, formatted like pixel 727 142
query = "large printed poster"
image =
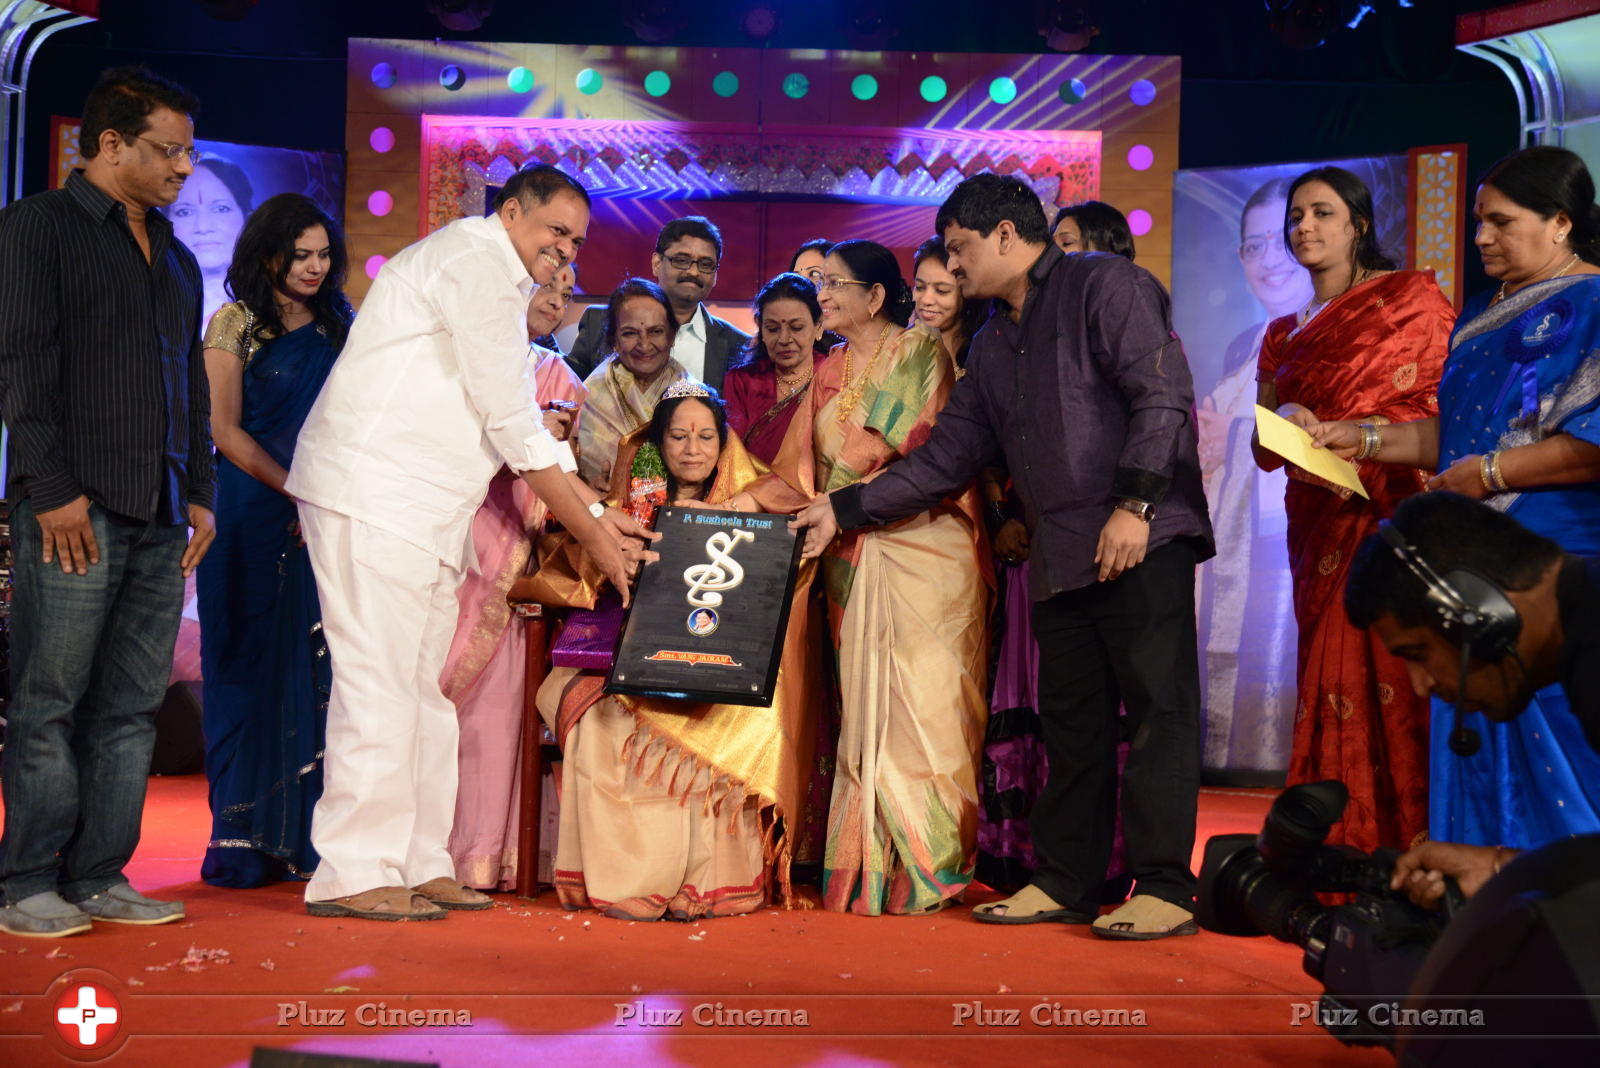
pixel 227 185
pixel 1232 274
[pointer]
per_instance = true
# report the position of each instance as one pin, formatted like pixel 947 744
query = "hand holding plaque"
pixel 708 618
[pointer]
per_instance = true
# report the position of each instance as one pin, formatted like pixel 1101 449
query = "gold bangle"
pixel 1494 470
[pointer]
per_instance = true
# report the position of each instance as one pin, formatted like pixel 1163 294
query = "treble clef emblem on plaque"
pixel 722 573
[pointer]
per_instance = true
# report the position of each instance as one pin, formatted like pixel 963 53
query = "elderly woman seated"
pixel 672 808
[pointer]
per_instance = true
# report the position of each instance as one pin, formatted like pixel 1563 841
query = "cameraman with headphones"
pixel 1485 613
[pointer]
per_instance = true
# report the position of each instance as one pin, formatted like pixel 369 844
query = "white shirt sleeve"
pixel 484 314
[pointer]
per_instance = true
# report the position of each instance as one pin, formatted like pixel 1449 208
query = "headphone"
pixel 1471 611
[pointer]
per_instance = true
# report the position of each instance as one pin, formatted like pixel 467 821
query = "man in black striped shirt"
pixel 104 393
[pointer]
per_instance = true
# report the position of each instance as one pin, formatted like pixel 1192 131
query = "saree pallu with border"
pixel 908 615
pixel 1520 371
pixel 670 807
pixel 1375 351
pixel 264 660
pixel 486 672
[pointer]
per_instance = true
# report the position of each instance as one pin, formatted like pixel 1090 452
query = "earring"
pixel 1562 236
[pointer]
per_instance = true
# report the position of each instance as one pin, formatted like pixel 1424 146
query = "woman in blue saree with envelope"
pixel 674 808
pixel 1519 428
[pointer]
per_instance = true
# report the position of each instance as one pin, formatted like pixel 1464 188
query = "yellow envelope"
pixel 1294 444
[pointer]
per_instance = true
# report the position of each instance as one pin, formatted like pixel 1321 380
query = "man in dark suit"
pixel 688 253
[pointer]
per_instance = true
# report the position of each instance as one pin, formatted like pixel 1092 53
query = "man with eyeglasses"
pixel 688 254
pixel 109 467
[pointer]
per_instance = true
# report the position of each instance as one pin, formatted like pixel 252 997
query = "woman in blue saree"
pixel 1518 427
pixel 264 663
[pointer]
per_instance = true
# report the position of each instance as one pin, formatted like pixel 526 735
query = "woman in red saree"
pixel 1369 346
pixel 769 385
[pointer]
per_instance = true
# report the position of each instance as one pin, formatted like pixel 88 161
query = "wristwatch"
pixel 597 509
pixel 1143 509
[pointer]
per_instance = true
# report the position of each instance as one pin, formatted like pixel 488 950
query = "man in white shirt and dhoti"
pixel 432 394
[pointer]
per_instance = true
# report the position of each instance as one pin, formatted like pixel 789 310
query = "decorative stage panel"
pixel 868 141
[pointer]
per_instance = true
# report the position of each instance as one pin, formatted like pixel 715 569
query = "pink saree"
pixel 485 673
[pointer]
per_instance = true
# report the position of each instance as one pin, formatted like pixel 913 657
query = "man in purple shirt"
pixel 1079 383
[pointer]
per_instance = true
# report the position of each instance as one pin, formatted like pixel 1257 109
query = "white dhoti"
pixel 389 772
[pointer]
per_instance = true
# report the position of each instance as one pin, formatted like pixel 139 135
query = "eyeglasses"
pixel 685 262
pixel 1256 245
pixel 837 283
pixel 173 151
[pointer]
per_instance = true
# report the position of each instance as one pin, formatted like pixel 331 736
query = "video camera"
pixel 1366 953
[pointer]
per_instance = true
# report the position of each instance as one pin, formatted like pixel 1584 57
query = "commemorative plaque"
pixel 708 619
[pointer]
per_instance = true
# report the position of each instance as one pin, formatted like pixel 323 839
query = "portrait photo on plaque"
pixel 708 619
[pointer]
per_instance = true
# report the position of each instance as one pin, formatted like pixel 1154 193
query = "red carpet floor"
pixel 529 983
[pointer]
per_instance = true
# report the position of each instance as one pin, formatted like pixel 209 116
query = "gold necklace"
pixel 850 395
pixel 1501 294
pixel 788 387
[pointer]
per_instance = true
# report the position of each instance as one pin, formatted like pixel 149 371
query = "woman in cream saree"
pixel 908 606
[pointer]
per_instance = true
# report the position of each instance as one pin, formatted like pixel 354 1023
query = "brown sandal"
pixel 449 894
pixel 384 903
pixel 1144 918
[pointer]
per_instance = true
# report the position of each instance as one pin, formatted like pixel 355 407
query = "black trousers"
pixel 1128 642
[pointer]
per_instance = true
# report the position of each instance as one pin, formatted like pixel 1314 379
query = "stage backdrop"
pixel 774 145
pixel 1232 274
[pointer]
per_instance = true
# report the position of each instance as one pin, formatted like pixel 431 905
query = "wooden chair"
pixel 535 618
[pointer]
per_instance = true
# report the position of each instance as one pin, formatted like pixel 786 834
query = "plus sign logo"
pixel 87 1015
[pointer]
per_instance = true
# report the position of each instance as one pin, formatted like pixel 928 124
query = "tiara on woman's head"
pixel 686 387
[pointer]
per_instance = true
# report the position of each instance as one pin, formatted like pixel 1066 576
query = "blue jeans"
pixel 90 659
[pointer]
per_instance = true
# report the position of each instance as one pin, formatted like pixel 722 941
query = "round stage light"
pixel 934 89
pixel 864 87
pixel 1142 92
pixel 1002 90
pixel 375 264
pixel 658 83
pixel 380 203
pixel 796 86
pixel 381 139
pixel 384 76
pixel 452 77
pixel 520 80
pixel 725 84
pixel 1140 157
pixel 1140 222
pixel 589 81
pixel 1072 91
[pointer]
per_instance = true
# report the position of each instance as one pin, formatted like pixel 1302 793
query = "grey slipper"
pixel 43 915
pixel 123 904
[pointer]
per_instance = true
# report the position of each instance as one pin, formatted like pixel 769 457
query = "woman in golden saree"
pixel 671 808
